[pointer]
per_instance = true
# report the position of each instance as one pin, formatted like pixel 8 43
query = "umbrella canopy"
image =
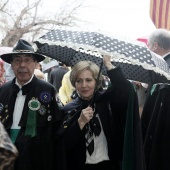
pixel 49 65
pixel 134 58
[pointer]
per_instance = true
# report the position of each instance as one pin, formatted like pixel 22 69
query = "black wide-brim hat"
pixel 22 47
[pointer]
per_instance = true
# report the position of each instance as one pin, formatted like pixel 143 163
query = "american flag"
pixel 160 13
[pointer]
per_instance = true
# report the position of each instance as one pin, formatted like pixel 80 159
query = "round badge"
pixel 45 97
pixel 1 107
pixel 42 110
pixel 49 118
pixel 34 104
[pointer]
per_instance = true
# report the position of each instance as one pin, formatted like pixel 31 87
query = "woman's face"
pixel 85 84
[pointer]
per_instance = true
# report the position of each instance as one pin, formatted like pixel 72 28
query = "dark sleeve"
pixel 57 111
pixel 118 96
pixel 51 77
pixel 117 78
pixel 73 136
pixel 120 86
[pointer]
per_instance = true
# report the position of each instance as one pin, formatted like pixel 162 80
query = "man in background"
pixel 159 43
pixel 57 74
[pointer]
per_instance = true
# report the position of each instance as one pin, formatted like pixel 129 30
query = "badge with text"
pixel 34 104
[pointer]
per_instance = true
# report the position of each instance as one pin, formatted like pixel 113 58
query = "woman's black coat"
pixel 111 106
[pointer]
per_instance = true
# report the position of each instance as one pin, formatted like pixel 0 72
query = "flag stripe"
pixel 160 13
pixel 166 15
pixel 157 11
pixel 153 10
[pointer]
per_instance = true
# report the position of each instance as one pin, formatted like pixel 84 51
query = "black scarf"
pixel 93 127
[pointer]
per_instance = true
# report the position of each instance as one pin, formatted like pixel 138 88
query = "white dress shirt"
pixel 100 152
pixel 19 105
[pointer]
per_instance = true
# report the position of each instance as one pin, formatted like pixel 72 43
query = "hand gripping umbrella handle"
pixel 97 82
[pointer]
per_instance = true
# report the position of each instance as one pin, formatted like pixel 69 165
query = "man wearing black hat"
pixel 29 112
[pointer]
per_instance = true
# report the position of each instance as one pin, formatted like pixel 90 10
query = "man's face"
pixel 23 66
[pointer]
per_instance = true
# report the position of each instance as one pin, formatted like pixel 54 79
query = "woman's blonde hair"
pixel 85 65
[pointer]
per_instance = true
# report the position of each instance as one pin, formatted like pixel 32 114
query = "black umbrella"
pixel 135 59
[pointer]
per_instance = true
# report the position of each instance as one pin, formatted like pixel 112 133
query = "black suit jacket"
pixel 167 59
pixel 39 152
pixel 56 77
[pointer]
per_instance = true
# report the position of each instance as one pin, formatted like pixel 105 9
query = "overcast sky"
pixel 128 18
pixel 123 17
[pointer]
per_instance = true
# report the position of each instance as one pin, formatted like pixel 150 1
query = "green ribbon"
pixel 153 89
pixel 31 123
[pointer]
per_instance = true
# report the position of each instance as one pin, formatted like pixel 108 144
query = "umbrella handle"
pixel 97 81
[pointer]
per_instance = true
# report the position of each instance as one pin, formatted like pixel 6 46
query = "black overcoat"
pixel 167 59
pixel 39 152
pixel 111 105
pixel 156 128
pixel 56 77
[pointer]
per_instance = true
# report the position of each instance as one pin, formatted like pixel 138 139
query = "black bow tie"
pixel 25 89
pixel 16 89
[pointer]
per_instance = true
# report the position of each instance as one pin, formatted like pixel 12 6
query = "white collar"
pixel 165 55
pixel 16 82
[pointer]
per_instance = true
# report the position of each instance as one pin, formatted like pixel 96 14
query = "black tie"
pixel 16 89
pixel 25 89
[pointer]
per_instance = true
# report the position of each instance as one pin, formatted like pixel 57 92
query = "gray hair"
pixel 161 37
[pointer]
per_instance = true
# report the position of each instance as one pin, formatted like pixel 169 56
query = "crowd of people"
pixel 80 119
